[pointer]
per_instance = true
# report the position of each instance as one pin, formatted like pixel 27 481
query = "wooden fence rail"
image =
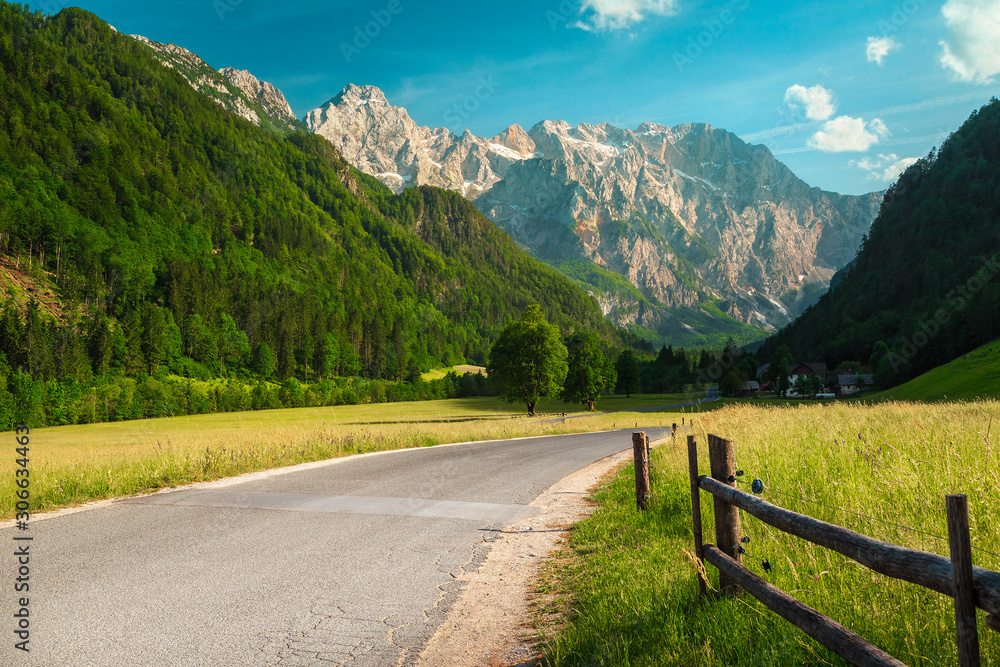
pixel 970 586
pixel 842 641
pixel 917 567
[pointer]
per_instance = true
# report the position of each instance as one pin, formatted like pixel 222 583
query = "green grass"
pixel 974 375
pixel 632 589
pixel 438 373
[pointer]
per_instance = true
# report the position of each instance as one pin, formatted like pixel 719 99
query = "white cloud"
pixel 879 48
pixel 884 168
pixel 970 51
pixel 600 15
pixel 817 102
pixel 848 134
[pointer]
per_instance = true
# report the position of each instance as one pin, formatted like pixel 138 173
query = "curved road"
pixel 351 561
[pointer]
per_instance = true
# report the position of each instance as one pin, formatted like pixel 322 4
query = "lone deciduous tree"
pixel 590 372
pixel 528 359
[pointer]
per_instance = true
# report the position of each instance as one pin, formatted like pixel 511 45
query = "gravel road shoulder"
pixel 490 622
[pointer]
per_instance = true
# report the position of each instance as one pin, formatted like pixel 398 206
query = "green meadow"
pixel 626 585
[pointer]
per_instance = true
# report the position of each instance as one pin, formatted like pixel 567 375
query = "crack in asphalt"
pixel 388 640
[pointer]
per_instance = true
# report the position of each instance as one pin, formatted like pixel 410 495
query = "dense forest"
pixel 176 240
pixel 925 286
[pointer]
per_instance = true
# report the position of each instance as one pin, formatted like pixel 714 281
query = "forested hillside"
pixel 926 281
pixel 171 235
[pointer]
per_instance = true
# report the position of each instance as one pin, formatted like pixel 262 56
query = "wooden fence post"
pixel 727 517
pixel 640 449
pixel 967 634
pixel 696 511
pixel 673 431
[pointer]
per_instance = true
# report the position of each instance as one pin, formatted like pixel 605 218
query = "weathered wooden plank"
pixel 993 622
pixel 696 506
pixel 727 517
pixel 847 644
pixel 918 567
pixel 966 630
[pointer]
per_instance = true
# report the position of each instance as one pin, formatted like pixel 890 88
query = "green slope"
pixel 704 325
pixel 973 375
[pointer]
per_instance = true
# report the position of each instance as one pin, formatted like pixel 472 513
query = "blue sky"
pixel 845 93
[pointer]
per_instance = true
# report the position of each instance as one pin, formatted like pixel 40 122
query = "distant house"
pixel 750 389
pixel 804 370
pixel 847 384
pixel 761 379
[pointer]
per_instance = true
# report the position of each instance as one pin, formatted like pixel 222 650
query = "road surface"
pixel 346 562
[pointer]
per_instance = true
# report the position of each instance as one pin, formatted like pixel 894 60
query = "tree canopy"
pixel 627 369
pixel 925 279
pixel 590 371
pixel 528 360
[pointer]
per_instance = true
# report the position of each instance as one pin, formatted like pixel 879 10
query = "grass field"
pixel 631 593
pixel 74 464
pixel 438 373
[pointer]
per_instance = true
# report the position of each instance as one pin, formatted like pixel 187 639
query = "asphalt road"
pixel 347 562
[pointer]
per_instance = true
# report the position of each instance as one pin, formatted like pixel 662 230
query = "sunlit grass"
pixel 461 369
pixel 634 591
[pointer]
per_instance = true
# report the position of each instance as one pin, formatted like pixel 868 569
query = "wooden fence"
pixel 971 587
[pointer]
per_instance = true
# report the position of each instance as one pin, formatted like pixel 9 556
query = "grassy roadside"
pixel 630 590
pixel 70 465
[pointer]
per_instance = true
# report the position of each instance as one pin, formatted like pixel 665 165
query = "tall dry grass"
pixel 883 470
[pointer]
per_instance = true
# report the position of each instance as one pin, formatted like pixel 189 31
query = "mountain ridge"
pixel 709 220
pixel 638 203
pixel 233 89
pixel 184 239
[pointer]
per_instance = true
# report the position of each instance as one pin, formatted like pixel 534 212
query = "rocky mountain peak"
pixel 272 99
pixel 359 95
pixel 691 215
pixel 238 91
pixel 516 139
pixel 243 79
